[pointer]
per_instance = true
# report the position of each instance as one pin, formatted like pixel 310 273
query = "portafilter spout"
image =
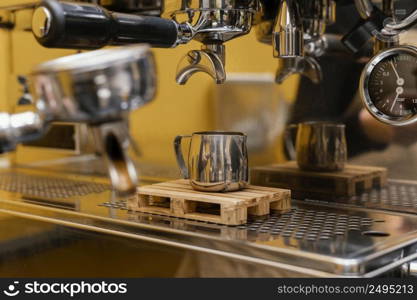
pixel 113 143
pixel 210 60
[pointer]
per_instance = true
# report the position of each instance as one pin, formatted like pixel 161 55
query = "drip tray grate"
pixel 312 225
pixel 396 196
pixel 48 187
pixel 299 223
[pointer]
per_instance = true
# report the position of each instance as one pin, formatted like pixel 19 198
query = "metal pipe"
pixel 287 36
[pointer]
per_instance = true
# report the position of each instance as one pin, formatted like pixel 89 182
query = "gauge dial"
pixel 389 86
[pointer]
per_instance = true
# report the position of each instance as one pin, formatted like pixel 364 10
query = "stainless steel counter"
pixel 314 239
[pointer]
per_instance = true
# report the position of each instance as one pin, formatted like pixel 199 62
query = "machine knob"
pixel 88 26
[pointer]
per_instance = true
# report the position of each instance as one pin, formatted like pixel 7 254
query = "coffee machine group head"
pixel 295 29
pixel 212 23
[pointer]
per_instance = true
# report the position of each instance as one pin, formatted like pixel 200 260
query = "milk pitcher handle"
pixel 180 156
pixel 288 141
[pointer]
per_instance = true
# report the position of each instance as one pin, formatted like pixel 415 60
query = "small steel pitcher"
pixel 217 161
pixel 320 146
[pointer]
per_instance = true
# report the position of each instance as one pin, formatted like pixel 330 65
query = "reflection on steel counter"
pixel 33 248
pixel 317 240
pixel 314 239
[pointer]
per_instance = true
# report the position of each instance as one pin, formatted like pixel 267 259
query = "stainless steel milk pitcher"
pixel 217 161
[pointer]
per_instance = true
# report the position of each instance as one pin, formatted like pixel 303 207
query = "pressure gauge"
pixel 388 86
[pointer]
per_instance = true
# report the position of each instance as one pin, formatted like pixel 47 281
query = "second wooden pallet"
pixel 320 185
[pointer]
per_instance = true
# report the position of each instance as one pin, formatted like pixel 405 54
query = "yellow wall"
pixel 184 109
pixel 5 65
pixel 175 110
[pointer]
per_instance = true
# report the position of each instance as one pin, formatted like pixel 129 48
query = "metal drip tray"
pixel 301 224
pixel 313 239
pixel 46 186
pixel 398 196
pixel 310 225
pixel 322 238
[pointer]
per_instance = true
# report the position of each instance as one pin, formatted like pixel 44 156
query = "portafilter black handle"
pixel 75 25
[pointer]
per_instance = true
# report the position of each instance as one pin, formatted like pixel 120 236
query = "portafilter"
pixel 99 88
pixel 64 24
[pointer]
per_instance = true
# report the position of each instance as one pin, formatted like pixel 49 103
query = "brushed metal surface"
pixel 398 195
pixel 314 239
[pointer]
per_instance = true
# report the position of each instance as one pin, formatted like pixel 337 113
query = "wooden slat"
pixel 241 195
pixel 162 192
pixel 249 190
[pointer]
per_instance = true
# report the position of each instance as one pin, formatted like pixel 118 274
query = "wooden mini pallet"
pixel 177 199
pixel 320 185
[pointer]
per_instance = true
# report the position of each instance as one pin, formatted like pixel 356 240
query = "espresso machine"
pixel 294 28
pixel 373 234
